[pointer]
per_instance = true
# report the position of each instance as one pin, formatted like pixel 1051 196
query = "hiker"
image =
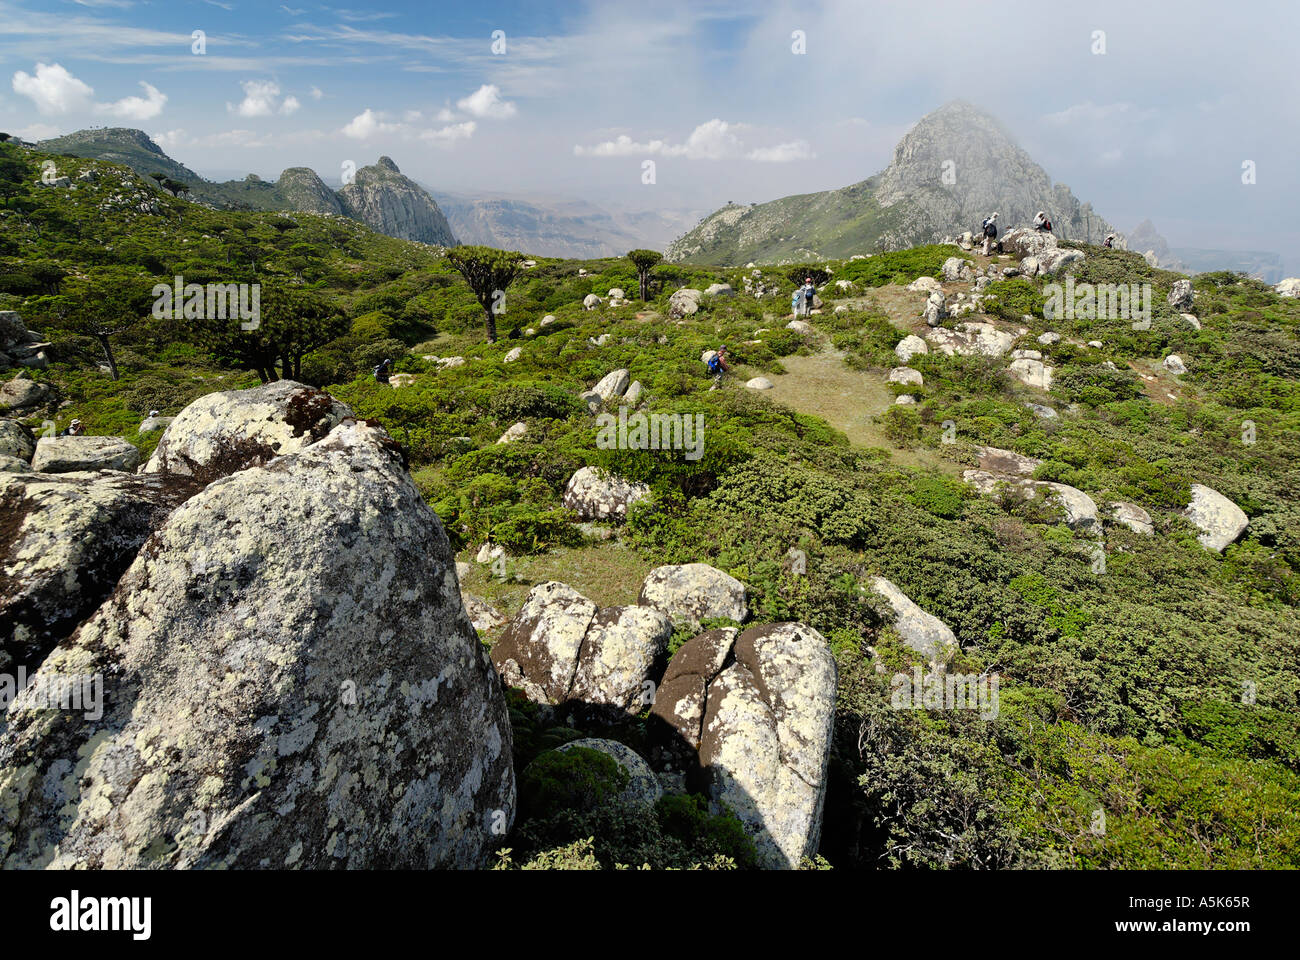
pixel 1109 242
pixel 74 429
pixel 809 291
pixel 382 371
pixel 1041 223
pixel 990 231
pixel 794 300
pixel 718 366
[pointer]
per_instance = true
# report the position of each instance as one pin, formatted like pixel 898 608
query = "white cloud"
pixel 136 108
pixel 290 105
pixel 172 139
pixel 783 152
pixel 261 99
pixel 486 102
pixel 53 89
pixel 458 131
pixel 715 139
pixel 316 93
pixel 38 131
pixel 368 123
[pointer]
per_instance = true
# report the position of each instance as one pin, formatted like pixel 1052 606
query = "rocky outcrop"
pixel 906 376
pixel 971 339
pixel 17 440
pixel 1180 297
pixel 311 697
pixel 613 385
pixel 80 453
pixel 562 650
pixel 22 393
pixel 221 433
pixel 65 541
pixel 19 347
pixel 1220 520
pixel 692 592
pixel 754 714
pixel 390 203
pixel 684 302
pixel 922 632
pixel 595 495
pixel 303 190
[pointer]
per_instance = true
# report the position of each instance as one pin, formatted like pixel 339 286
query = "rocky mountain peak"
pixel 386 163
pixel 385 200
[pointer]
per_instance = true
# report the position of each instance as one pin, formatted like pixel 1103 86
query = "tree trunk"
pixel 644 277
pixel 491 324
pixel 108 354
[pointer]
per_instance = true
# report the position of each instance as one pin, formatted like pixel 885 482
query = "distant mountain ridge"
pixel 558 228
pixel 953 168
pixel 380 196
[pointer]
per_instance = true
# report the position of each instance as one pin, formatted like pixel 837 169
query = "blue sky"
pixel 1156 126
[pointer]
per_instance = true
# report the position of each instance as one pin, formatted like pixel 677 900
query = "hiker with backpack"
pixel 74 429
pixel 381 372
pixel 1041 223
pixel 794 300
pixel 718 366
pixel 1109 242
pixel 990 231
pixel 809 292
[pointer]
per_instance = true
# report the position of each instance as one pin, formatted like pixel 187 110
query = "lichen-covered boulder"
pixel 65 540
pixel 1032 372
pixel 562 650
pixel 595 495
pixel 1220 520
pixel 911 346
pixel 310 696
pixel 613 385
pixel 513 432
pixel 956 268
pixel 692 592
pixel 23 393
pixel 1132 516
pixel 17 440
pixel 906 376
pixel 482 615
pixel 1180 296
pixel 643 786
pixel 923 632
pixel 764 733
pixel 684 302
pixel 73 454
pixel 221 433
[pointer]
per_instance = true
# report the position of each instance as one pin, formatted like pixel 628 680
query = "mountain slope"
pixel 906 204
pixel 380 197
pixel 385 200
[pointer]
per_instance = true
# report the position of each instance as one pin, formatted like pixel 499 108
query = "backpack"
pixel 715 365
pixel 990 229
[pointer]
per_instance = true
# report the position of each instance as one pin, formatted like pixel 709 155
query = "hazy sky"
pixel 1157 126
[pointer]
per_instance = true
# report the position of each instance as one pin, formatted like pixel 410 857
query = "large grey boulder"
pixel 23 393
pixel 1220 520
pixel 595 495
pixel 613 385
pixel 643 786
pixel 221 433
pixel 956 268
pixel 1079 509
pixel 692 592
pixel 759 707
pixel 17 440
pixel 562 650
pixel 923 632
pixel 1032 372
pixel 935 309
pixel 311 696
pixel 997 460
pixel 1028 242
pixel 82 453
pixel 973 338
pixel 909 347
pixel 1290 287
pixel 684 302
pixel 1180 297
pixel 906 376
pixel 65 541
